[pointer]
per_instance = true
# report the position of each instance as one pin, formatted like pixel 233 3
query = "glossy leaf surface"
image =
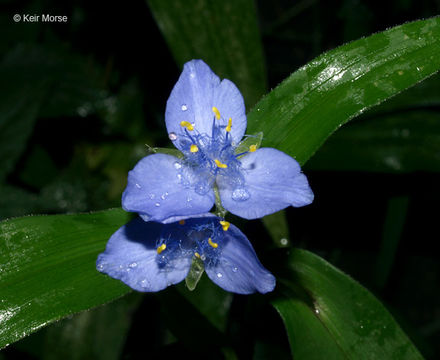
pixel 327 312
pixel 305 109
pixel 47 269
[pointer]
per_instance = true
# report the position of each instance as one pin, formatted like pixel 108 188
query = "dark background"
pixel 102 80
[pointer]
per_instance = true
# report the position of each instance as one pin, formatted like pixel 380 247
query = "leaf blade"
pixel 329 91
pixel 48 269
pixel 352 322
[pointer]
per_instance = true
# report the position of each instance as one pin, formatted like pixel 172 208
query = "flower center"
pixel 203 239
pixel 209 157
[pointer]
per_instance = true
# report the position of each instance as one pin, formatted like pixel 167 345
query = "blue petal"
pixel 273 181
pixel 155 191
pixel 131 256
pixel 174 219
pixel 238 269
pixel 192 98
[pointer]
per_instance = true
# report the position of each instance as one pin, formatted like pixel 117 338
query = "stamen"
pixel 216 112
pixel 161 248
pixel 187 124
pixel 197 255
pixel 252 148
pixel 228 128
pixel 220 165
pixel 194 148
pixel 225 225
pixel 182 222
pixel 213 244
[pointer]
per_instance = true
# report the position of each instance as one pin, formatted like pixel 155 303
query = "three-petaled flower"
pixel 149 256
pixel 206 120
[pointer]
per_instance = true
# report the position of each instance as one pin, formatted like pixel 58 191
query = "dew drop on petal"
pixel 177 165
pixel 101 267
pixel 172 136
pixel 138 186
pixel 219 275
pixel 184 107
pixel 144 283
pixel 157 204
pixel 133 265
pixel 202 188
pixel 234 269
pixel 240 194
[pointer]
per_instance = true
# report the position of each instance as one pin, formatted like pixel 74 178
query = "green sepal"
pixel 159 150
pixel 195 273
pixel 249 140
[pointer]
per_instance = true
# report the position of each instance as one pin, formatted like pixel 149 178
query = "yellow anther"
pixel 187 124
pixel 220 165
pixel 225 225
pixel 182 222
pixel 197 255
pixel 213 244
pixel 161 248
pixel 216 112
pixel 228 128
pixel 194 148
pixel 252 148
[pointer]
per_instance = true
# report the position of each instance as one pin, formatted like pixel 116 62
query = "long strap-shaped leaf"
pixel 306 108
pixel 47 269
pixel 328 315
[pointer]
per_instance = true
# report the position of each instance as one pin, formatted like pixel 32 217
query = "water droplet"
pixel 100 267
pixel 234 269
pixel 138 186
pixel 284 241
pixel 317 311
pixel 240 194
pixel 163 196
pixel 202 188
pixel 203 257
pixel 133 265
pixel 184 107
pixel 219 275
pixel 189 199
pixel 172 136
pixel 157 204
pixel 144 283
pixel 177 165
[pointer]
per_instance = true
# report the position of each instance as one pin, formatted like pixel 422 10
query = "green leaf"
pixel 47 269
pixel 327 312
pixel 223 33
pixel 305 109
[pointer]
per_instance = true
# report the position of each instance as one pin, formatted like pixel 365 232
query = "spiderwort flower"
pixel 206 120
pixel 149 256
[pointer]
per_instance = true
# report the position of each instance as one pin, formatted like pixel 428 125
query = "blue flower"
pixel 149 256
pixel 206 121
